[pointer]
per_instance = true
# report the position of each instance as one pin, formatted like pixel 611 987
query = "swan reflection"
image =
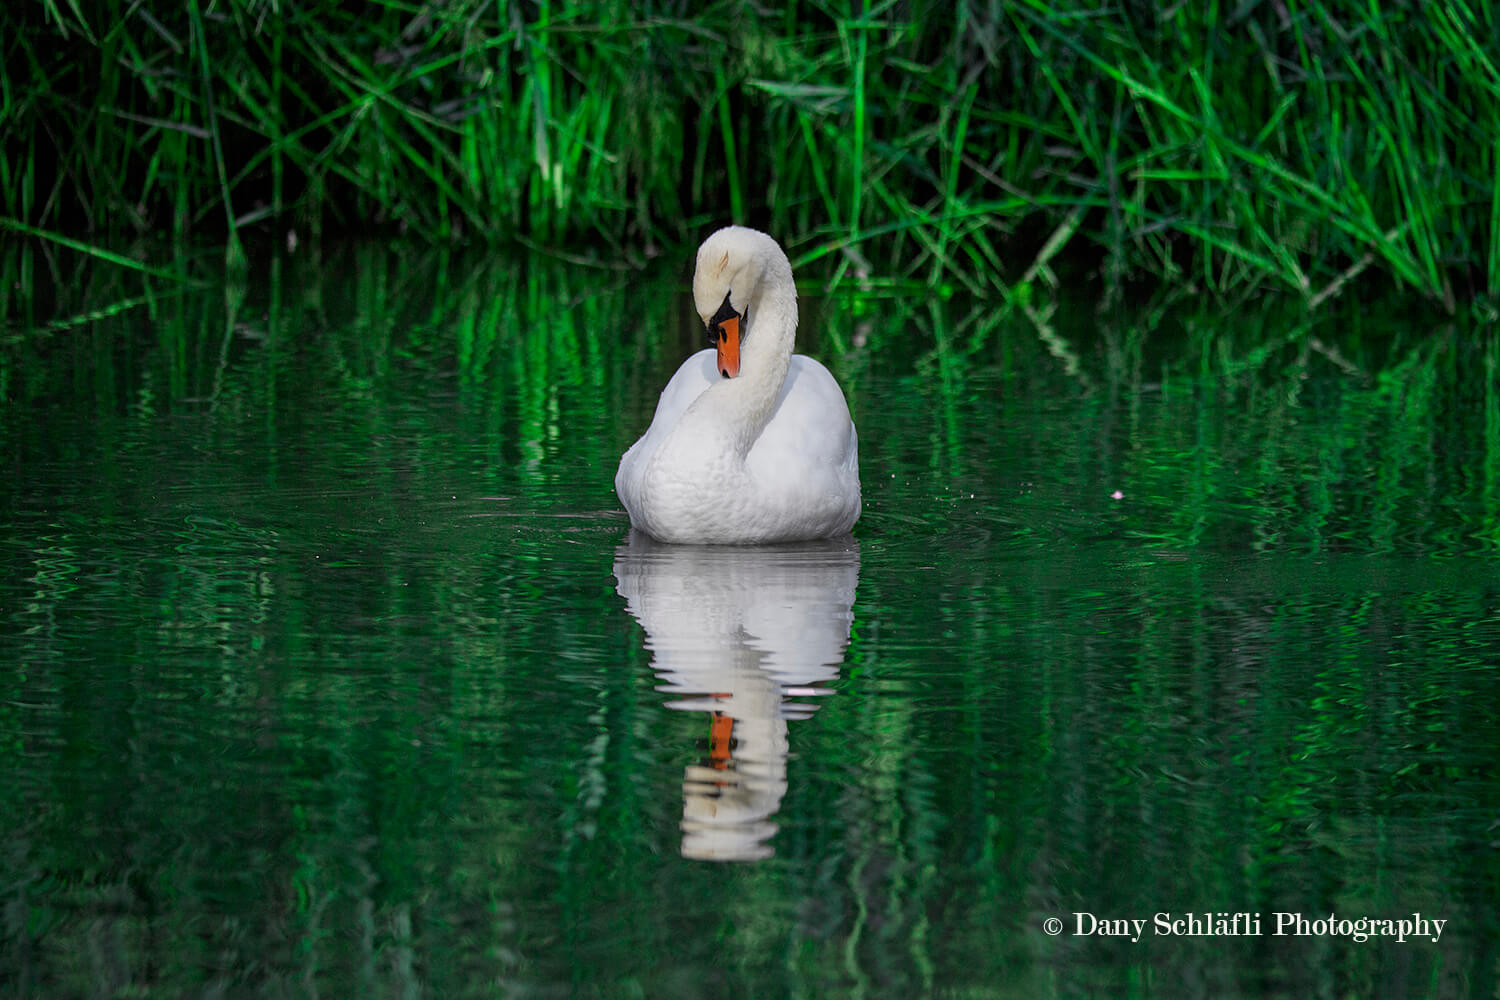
pixel 740 634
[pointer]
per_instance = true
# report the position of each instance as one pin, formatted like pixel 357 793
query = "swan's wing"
pixel 807 458
pixel 694 375
pixel 811 420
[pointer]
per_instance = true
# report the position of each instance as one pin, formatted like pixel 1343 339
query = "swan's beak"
pixel 729 347
pixel 725 329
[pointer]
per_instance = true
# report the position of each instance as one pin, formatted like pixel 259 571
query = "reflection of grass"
pixel 1326 461
pixel 348 750
pixel 1228 151
pixel 527 339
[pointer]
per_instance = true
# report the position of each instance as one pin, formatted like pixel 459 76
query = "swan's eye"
pixel 726 312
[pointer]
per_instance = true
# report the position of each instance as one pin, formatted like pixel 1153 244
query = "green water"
pixel 328 666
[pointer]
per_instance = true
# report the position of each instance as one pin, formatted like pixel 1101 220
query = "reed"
pixel 1304 149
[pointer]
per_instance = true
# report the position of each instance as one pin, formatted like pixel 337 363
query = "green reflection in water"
pixel 328 671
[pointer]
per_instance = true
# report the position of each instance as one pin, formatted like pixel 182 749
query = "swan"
pixel 750 443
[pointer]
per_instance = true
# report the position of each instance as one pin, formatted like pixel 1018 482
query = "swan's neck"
pixel 742 406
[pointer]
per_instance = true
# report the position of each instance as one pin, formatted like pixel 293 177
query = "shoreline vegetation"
pixel 1310 150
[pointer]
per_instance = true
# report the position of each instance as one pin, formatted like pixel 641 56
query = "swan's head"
pixel 732 263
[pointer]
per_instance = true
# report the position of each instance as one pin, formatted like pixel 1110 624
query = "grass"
pixel 1232 151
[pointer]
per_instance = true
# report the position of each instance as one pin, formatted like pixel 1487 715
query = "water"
pixel 331 667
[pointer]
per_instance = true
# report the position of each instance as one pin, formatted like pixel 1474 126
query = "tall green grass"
pixel 1233 151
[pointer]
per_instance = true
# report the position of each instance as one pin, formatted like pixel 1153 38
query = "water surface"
pixel 332 667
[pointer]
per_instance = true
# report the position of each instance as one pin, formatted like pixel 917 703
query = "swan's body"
pixel 768 455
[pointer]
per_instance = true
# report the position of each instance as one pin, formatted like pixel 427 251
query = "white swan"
pixel 749 443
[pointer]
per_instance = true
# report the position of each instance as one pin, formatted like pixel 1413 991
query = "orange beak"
pixel 728 342
pixel 719 735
